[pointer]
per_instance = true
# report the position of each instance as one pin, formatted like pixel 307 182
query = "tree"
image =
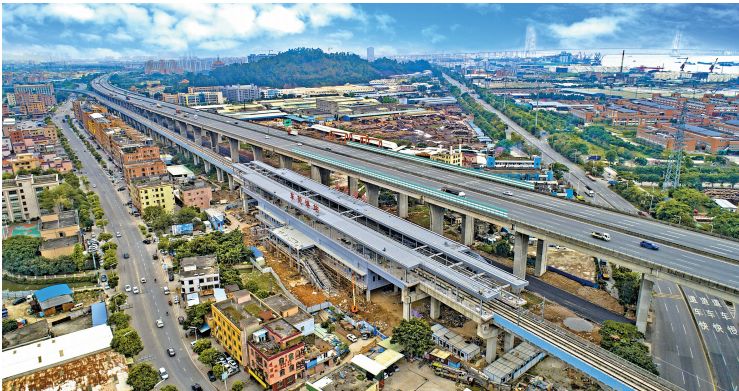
pixel 218 369
pixel 142 377
pixel 208 356
pixel 201 345
pixel 238 385
pixel 611 155
pixel 127 342
pixel 119 320
pixel 628 284
pixel 169 387
pixel 624 340
pixel 113 279
pixel 675 211
pixel 78 256
pixel 21 248
pixel 727 223
pixel 103 236
pixel 195 315
pixel 9 325
pixel 116 301
pixel 503 248
pixel 414 335
pixel 641 161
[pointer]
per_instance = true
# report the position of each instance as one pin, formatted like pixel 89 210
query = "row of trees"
pixel 160 220
pixel 484 119
pixel 68 149
pixel 599 136
pixel 229 248
pixel 21 255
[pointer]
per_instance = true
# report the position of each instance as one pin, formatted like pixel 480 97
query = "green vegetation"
pixel 599 136
pixel 228 247
pixel 69 196
pixel 623 339
pixel 628 284
pixel 300 67
pixel 9 325
pixel 169 387
pixel 21 256
pixel 142 377
pixel 208 356
pixel 119 320
pixel 127 342
pixel 195 315
pixel 261 284
pixel 160 220
pixel 201 345
pixel 569 145
pixel 238 385
pixel 414 335
pixel 484 119
pixel 68 149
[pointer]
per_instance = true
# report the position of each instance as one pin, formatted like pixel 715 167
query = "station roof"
pixel 293 238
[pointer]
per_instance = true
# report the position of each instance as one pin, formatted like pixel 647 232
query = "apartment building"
pixel 696 138
pixel 20 196
pixel 197 194
pixel 195 98
pixel 276 355
pixel 199 274
pixel 139 161
pixel 152 191
pixel 43 89
pixel 241 93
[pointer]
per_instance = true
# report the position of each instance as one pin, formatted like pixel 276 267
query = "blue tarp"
pixel 99 314
pixel 204 328
pixel 52 291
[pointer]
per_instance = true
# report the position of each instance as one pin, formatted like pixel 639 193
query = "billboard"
pixel 182 229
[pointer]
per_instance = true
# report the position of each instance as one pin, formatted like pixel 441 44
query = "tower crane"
pixel 710 69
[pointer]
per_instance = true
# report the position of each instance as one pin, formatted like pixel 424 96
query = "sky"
pixel 128 30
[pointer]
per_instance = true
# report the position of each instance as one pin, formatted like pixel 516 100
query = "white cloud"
pixel 484 9
pixel 432 34
pixel 341 35
pixel 90 37
pixel 385 22
pixel 588 29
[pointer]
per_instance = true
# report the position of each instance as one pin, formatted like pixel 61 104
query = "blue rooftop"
pixel 99 314
pixel 52 291
pixel 653 104
pixel 622 109
pixel 734 122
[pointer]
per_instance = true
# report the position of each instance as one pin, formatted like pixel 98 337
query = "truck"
pixel 589 191
pixel 453 191
pixel 292 132
pixel 601 235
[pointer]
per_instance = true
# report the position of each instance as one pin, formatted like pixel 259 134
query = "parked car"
pixel 180 319
pixel 128 288
pixel 163 374
pixel 160 323
pixel 103 278
pixel 19 300
pixel 649 245
pixel 176 300
pixel 196 387
pixel 211 376
pixel 351 337
pixel 147 241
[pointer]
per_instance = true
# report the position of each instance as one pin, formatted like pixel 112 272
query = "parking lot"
pixel 411 377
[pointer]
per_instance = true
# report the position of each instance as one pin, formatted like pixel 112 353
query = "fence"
pixel 17 294
pixel 49 277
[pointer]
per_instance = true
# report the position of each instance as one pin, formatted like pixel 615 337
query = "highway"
pixel 151 303
pixel 603 194
pixel 685 251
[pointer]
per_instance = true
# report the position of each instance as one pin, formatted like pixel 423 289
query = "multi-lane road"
pixel 691 253
pixel 603 195
pixel 151 304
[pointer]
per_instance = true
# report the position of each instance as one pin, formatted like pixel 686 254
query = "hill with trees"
pixel 305 67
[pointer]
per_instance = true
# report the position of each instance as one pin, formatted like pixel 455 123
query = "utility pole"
pixel 672 176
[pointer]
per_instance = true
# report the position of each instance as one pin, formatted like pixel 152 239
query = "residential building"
pixel 20 196
pixel 276 355
pixel 140 160
pixel 197 194
pixel 199 274
pixel 452 157
pixel 152 191
pixel 11 99
pixel 234 320
pixel 193 90
pixel 24 161
pixel 241 93
pixel 195 98
pixel 43 89
pixel 66 362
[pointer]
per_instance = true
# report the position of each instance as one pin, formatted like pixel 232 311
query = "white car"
pixel 135 290
pixel 118 235
pixel 508 193
pixel 163 373
pixel 176 300
pixel 351 337
pixel 143 280
pixel 128 288
pixel 160 323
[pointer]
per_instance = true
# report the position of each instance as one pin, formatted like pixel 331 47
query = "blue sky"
pixel 89 31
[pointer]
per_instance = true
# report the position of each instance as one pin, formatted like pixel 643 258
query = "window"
pixel 282 360
pixel 282 372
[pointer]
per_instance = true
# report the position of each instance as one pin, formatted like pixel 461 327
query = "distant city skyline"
pixel 45 32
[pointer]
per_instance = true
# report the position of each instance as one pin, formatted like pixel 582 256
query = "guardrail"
pixel 474 205
pixel 446 166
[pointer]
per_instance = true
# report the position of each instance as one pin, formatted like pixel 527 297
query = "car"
pixel 351 337
pixel 300 144
pixel 121 188
pixel 165 290
pixel 128 288
pixel 196 387
pixel 176 300
pixel 163 373
pixel 146 241
pixel 143 280
pixel 103 278
pixel 180 319
pixel 118 235
pixel 171 352
pixel 601 235
pixel 135 290
pixel 19 300
pixel 211 376
pixel 106 286
pixel 328 148
pixel 125 256
pixel 649 245
pixel 266 136
pixel 160 323
pixel 508 193
pixel 94 186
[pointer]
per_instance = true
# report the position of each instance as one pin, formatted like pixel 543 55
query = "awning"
pixel 388 358
pixel 204 327
pixel 367 364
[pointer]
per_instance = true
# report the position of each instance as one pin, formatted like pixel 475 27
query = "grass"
pixel 14 286
pixel 264 281
pixel 419 214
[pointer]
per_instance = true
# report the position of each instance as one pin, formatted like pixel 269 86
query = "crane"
pixel 710 69
pixel 623 54
pixel 682 67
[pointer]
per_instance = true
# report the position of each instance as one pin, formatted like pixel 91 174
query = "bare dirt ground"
pixel 595 296
pixel 295 282
pixel 572 262
pixel 562 376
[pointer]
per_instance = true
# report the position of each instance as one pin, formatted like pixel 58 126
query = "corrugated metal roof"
pixel 99 314
pixel 52 291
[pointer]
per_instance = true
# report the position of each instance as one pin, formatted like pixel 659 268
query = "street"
pixel 151 303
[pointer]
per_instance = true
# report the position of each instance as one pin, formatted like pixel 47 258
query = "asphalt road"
pixel 524 205
pixel 151 303
pixel 718 328
pixel 676 344
pixel 603 195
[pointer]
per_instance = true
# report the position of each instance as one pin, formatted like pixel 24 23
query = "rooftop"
pixel 31 332
pixel 51 352
pixel 52 291
pixel 279 303
pixel 198 266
